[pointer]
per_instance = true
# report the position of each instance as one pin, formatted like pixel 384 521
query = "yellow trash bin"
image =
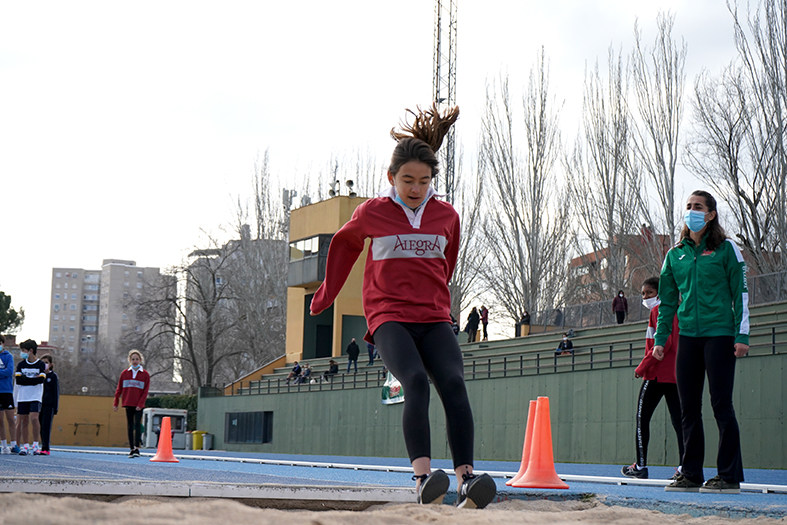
pixel 198 438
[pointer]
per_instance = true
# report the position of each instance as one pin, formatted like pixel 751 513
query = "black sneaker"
pixel 133 454
pixel 476 492
pixel 433 487
pixel 633 472
pixel 683 484
pixel 718 486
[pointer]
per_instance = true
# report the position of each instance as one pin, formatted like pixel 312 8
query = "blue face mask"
pixel 400 201
pixel 23 355
pixel 695 220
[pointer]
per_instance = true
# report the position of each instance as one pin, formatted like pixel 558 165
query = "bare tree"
pixel 527 220
pixel 604 182
pixel 258 276
pixel 468 203
pixel 658 79
pixel 739 143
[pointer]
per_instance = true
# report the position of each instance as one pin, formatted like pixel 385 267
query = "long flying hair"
pixel 420 140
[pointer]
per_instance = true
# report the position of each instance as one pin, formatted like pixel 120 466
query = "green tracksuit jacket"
pixel 713 287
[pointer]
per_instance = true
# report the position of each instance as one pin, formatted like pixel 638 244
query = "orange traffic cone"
pixel 164 452
pixel 540 472
pixel 531 416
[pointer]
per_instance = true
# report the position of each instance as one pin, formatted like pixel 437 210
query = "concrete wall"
pixel 89 421
pixel 592 413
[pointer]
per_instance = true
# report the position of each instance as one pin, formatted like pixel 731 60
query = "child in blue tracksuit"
pixel 6 398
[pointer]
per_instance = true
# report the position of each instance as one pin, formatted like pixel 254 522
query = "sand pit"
pixel 34 509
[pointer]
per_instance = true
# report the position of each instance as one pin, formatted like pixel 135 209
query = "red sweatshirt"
pixel 410 262
pixel 133 387
pixel 650 367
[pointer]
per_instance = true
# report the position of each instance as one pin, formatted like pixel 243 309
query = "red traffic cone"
pixel 164 452
pixel 531 416
pixel 541 464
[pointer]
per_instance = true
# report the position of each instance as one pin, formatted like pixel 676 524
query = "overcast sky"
pixel 126 127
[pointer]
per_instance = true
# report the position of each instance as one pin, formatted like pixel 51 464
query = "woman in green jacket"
pixel 707 270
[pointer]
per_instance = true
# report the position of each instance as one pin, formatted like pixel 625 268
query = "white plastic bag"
pixel 392 390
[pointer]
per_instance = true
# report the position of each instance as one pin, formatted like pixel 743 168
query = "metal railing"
pixel 766 288
pixel 498 366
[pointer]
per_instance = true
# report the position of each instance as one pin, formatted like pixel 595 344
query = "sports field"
pixel 103 486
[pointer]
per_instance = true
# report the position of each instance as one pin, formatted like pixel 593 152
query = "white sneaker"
pixel 35 450
pixel 5 450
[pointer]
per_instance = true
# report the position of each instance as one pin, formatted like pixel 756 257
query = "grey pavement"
pixel 331 478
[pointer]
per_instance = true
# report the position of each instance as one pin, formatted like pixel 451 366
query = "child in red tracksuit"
pixel 133 386
pixel 407 305
pixel 659 381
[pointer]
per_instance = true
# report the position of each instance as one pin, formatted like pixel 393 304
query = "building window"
pixel 57 296
pixel 123 327
pixel 54 328
pixel 73 317
pixel 57 285
pixel 57 308
pixel 248 427
pixel 71 328
pixel 139 285
pixel 58 274
pixel 57 318
pixel 139 275
pixel 72 307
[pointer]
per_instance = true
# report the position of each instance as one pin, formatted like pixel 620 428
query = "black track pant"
pixel 416 353
pixel 134 421
pixel 716 357
pixel 650 395
pixel 46 416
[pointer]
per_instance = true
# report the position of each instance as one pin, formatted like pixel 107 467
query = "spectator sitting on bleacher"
pixel 566 347
pixel 333 369
pixel 295 373
pixel 306 372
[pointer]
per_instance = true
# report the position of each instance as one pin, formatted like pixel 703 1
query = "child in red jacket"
pixel 133 386
pixel 659 381
pixel 407 305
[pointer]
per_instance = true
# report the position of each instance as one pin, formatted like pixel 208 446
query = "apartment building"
pixel 89 306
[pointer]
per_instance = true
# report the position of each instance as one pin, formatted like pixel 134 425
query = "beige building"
pixel 89 305
pixel 325 335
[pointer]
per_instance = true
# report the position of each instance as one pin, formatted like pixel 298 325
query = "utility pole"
pixel 444 83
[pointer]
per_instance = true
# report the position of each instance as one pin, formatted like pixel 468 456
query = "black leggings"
pixel 134 421
pixel 416 353
pixel 716 356
pixel 650 395
pixel 46 416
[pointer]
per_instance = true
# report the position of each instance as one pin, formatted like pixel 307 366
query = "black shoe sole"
pixel 480 493
pixel 433 489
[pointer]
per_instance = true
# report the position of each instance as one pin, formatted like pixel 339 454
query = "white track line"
pixel 750 487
